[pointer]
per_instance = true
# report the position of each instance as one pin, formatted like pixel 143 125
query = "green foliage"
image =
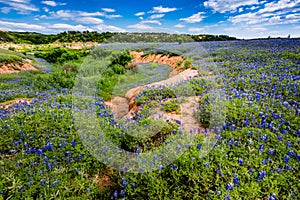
pixel 60 55
pixel 9 56
pixel 171 106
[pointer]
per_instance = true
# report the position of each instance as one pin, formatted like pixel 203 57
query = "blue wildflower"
pixel 236 180
pixel 286 159
pixel 240 161
pixel 291 153
pixel 229 186
pixel 261 175
pixel 273 197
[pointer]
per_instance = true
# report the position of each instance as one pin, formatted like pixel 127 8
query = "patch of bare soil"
pixel 119 106
pixel 185 116
pixel 176 62
pixel 16 67
pixel 104 180
pixel 186 74
pixel 9 104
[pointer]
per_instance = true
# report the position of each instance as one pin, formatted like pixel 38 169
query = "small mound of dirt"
pixel 104 180
pixel 176 62
pixel 16 67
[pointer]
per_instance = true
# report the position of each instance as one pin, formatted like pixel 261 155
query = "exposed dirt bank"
pixel 16 67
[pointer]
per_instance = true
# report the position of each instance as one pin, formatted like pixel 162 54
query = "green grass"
pixel 10 56
pixel 142 75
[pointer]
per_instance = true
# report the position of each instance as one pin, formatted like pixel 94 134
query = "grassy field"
pixel 66 144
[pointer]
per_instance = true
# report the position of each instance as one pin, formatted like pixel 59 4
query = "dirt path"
pixel 125 106
pixel 185 116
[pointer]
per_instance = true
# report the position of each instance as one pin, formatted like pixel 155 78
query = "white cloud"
pixel 90 14
pixel 46 9
pixel 109 28
pixel 139 14
pixel 5 10
pixel 142 27
pixel 113 16
pixel 69 14
pixel 108 10
pixel 198 17
pixel 21 6
pixel 53 3
pixel 16 26
pixel 49 3
pixel 160 9
pixel 272 13
pixel 68 27
pixel 89 20
pixel 151 22
pixel 223 6
pixel 157 16
pixel 179 26
pixel 193 29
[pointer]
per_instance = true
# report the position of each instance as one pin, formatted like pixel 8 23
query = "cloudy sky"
pixel 239 18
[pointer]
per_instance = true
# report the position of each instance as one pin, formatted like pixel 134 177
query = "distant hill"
pixel 93 36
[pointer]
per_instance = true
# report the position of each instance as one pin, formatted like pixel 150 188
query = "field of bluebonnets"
pixel 255 154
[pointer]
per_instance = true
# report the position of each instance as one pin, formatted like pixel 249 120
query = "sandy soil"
pixel 16 67
pixel 9 104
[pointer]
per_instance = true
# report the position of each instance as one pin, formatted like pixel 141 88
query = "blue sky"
pixel 239 18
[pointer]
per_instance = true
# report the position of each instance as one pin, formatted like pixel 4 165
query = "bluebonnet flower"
pixel 122 193
pixel 55 183
pixel 43 182
pixel 271 152
pixel 272 197
pixel 206 164
pixel 174 167
pixel 298 157
pixel 236 180
pixel 160 167
pixel 124 183
pixel 261 147
pixel 198 146
pixel 240 161
pixel 116 195
pixel 251 170
pixel 286 159
pixel 291 153
pixel 261 175
pixel 229 186
pixel 230 143
pixel 289 144
pixel 133 185
pixel 279 170
pixel 264 162
pixel 287 167
pixel 74 143
pixel 279 137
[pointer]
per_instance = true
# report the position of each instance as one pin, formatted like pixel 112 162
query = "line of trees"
pixel 93 36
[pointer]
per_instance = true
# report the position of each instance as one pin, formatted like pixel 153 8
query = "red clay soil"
pixel 176 62
pixel 16 67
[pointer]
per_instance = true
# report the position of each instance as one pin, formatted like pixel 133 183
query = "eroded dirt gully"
pixel 125 106
pixel 16 67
